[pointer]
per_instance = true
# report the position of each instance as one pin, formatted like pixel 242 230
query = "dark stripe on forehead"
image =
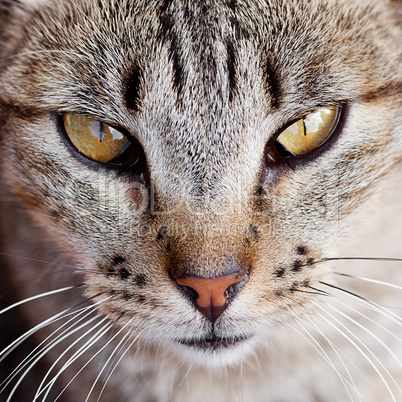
pixel 232 63
pixel 167 34
pixel 273 84
pixel 131 90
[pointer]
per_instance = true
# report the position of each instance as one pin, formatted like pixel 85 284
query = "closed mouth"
pixel 212 342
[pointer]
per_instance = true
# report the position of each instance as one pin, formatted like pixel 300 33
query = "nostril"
pixel 189 292
pixel 233 289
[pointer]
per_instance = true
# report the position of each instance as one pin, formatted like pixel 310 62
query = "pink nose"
pixel 211 293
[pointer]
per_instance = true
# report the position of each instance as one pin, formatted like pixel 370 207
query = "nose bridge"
pixel 215 187
pixel 210 270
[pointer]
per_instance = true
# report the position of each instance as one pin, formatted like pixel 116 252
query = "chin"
pixel 214 351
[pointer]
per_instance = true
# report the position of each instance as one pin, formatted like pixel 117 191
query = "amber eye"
pixel 101 142
pixel 310 132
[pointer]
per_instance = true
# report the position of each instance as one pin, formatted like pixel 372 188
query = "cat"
pixel 193 195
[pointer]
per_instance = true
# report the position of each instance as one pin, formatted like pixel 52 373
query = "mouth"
pixel 213 342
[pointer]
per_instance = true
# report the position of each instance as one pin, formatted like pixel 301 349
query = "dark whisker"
pixel 345 291
pixel 311 293
pixel 321 292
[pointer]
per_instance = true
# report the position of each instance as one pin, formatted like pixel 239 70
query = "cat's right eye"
pixel 102 142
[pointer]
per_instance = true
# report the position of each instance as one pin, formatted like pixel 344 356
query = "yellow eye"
pixel 94 139
pixel 309 133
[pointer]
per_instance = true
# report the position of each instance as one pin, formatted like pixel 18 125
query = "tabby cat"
pixel 190 204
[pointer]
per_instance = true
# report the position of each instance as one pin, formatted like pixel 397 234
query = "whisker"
pixel 370 319
pixel 394 317
pixel 350 340
pixel 336 349
pixel 392 285
pixel 68 332
pixel 324 354
pixel 52 292
pixel 41 387
pixel 383 259
pixel 370 333
pixel 54 264
pixel 344 290
pixel 320 350
pixel 32 355
pixel 118 361
pixel 111 354
pixel 321 292
pixel 188 371
pixel 6 351
pixel 87 345
pixel 47 349
pixel 320 261
pixel 36 354
pixel 99 351
pixel 310 293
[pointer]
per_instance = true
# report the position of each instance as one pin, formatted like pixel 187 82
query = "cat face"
pixel 199 96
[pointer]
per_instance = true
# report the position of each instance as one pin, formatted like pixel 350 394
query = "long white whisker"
pixel 87 345
pixel 33 354
pixel 41 387
pixel 33 364
pixel 349 339
pixel 389 284
pixel 375 337
pixel 118 361
pixel 43 353
pixel 369 304
pixel 327 358
pixel 320 350
pixel 52 292
pixel 67 268
pixel 99 351
pixel 368 318
pixel 69 332
pixel 59 316
pixel 111 355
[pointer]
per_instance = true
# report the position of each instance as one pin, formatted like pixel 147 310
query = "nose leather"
pixel 211 293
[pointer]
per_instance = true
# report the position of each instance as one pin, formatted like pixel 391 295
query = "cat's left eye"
pixel 102 142
pixel 308 133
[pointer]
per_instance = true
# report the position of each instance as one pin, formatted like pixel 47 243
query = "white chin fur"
pixel 213 358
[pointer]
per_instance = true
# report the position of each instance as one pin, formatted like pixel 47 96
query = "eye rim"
pixel 276 153
pixel 138 168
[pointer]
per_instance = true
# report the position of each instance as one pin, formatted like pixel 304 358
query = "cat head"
pixel 161 142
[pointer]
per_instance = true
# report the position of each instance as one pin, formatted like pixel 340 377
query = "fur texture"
pixel 204 87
